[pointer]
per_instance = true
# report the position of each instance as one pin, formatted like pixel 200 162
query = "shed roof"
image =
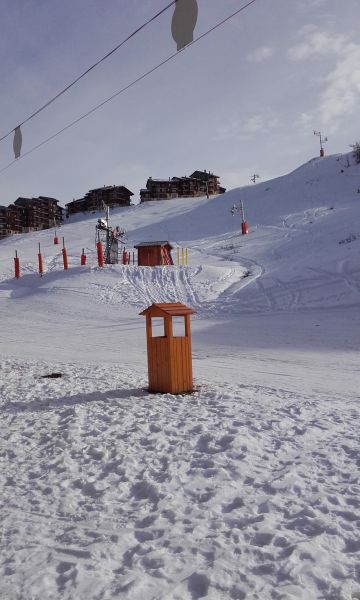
pixel 173 309
pixel 161 243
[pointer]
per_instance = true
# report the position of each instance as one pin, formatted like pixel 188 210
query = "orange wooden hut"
pixel 152 254
pixel 169 356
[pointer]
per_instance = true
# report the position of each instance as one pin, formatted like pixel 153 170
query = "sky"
pixel 245 99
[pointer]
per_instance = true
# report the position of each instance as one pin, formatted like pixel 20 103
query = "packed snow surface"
pixel 246 489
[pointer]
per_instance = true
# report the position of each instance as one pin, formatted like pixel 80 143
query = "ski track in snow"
pixel 237 491
pixel 231 492
pixel 206 290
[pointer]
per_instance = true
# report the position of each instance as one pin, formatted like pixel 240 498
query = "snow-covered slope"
pixel 247 488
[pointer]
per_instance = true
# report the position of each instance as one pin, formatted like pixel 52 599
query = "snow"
pixel 247 488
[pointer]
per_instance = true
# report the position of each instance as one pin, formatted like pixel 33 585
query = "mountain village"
pixel 34 214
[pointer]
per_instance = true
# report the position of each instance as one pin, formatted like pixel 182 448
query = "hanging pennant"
pixel 183 22
pixel 17 143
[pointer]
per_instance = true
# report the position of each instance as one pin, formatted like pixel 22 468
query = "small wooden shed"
pixel 169 356
pixel 152 254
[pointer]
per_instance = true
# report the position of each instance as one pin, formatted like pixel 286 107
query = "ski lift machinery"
pixel 110 238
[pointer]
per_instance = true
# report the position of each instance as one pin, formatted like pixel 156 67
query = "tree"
pixel 356 148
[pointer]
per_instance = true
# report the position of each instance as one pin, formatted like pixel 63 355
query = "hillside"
pixel 246 489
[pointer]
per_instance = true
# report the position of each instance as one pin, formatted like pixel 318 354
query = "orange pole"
pixel 244 227
pixel 100 254
pixel 65 259
pixel 40 260
pixel 17 265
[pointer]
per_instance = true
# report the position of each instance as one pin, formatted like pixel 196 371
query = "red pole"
pixel 100 254
pixel 244 224
pixel 65 258
pixel 83 258
pixel 40 260
pixel 17 265
pixel 56 239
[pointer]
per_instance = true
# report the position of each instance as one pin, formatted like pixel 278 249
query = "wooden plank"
pixel 167 363
pixel 152 365
pixel 191 382
pixel 179 365
pixel 187 369
pixel 171 364
pixel 187 326
pixel 176 368
pixel 185 360
pixel 154 371
pixel 157 366
pixel 168 328
pixel 163 363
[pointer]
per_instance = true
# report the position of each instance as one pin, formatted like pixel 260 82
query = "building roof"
pixel 160 180
pixel 173 309
pixel 110 187
pixel 204 175
pixel 22 200
pixel 161 243
pixel 47 198
pixel 78 201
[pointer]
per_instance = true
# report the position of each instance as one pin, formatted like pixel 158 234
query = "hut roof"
pixel 161 243
pixel 174 309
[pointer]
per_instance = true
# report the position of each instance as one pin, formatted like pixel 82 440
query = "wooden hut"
pixel 169 355
pixel 152 254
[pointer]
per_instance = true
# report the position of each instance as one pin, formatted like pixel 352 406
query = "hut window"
pixel 178 327
pixel 157 326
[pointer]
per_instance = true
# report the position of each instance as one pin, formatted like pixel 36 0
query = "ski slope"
pixel 247 488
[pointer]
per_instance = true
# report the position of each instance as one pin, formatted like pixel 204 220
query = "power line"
pixel 98 62
pixel 140 78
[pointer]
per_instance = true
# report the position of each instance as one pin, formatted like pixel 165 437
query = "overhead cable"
pixel 98 62
pixel 140 78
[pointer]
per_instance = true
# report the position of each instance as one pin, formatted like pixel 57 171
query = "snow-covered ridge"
pixel 247 488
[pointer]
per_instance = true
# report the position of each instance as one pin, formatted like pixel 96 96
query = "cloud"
pixel 316 45
pixel 246 128
pixel 305 119
pixel 260 54
pixel 340 93
pixel 305 5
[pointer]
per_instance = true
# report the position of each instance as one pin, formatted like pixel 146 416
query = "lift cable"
pixel 70 85
pixel 140 78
